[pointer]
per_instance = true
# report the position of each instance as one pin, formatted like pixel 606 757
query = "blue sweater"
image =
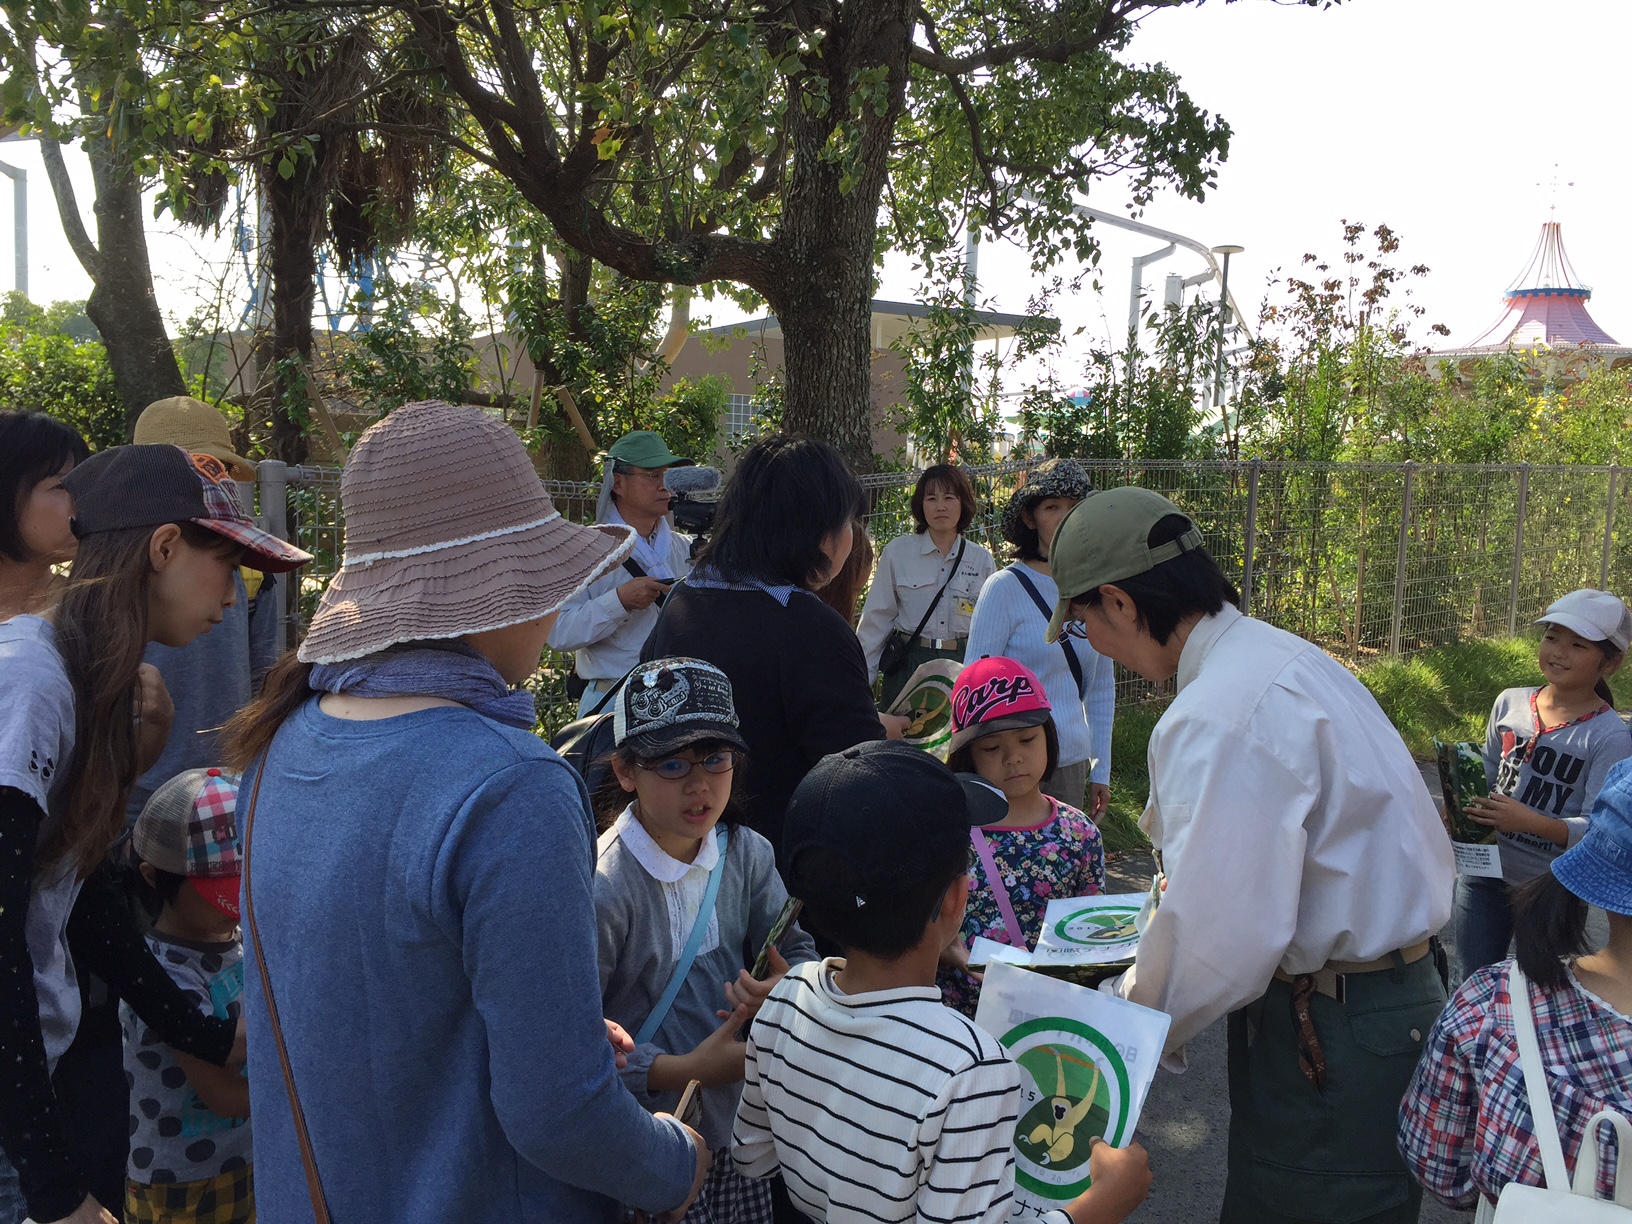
pixel 423 885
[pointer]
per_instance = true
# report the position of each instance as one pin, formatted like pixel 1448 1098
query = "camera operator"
pixel 608 621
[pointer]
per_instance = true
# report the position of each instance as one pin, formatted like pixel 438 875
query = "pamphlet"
pixel 1086 1064
pixel 1099 930
pixel 926 699
pixel 1461 778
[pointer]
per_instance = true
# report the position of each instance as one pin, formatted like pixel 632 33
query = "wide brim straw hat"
pixel 194 426
pixel 448 532
pixel 1051 478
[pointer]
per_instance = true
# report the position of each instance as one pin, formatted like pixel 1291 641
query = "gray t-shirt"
pixel 174 1137
pixel 36 741
pixel 1560 776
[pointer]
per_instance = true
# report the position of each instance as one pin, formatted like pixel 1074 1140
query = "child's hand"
pixel 622 1044
pixel 1506 814
pixel 1121 1178
pixel 956 955
pixel 749 993
pixel 720 1058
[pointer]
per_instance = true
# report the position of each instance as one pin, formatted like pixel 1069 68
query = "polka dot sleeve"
pixel 33 1123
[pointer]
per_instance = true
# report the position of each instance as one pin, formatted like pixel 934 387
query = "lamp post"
pixel 1223 314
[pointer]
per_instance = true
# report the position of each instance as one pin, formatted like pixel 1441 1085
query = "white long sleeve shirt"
pixel 1293 825
pixel 606 636
pixel 910 570
pixel 1007 622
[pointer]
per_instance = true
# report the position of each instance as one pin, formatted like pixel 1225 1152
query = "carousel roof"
pixel 1546 305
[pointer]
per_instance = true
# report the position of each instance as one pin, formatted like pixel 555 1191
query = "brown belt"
pixel 1331 981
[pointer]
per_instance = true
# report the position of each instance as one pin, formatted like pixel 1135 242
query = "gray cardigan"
pixel 637 961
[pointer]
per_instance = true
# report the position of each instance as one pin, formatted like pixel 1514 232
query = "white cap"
pixel 1597 616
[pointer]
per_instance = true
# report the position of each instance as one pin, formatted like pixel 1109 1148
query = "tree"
pixel 52 362
pixel 684 142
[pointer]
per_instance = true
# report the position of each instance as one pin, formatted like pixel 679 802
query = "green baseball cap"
pixel 646 449
pixel 1102 540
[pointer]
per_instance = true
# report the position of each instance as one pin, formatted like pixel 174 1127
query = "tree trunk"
pixel 827 353
pixel 296 204
pixel 122 303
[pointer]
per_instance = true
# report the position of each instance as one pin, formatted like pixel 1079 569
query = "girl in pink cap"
pixel 1003 730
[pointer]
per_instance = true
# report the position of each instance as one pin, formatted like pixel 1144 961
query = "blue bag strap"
pixel 682 967
pixel 1071 660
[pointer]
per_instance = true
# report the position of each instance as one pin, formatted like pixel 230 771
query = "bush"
pixel 47 364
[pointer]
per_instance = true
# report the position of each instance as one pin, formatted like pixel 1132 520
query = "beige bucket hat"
pixel 448 532
pixel 194 426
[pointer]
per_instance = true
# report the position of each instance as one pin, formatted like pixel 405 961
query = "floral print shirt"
pixel 1062 857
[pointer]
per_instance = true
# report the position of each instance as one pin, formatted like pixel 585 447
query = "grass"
pixel 1444 693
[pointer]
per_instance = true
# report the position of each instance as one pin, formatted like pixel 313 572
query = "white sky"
pixel 1440 117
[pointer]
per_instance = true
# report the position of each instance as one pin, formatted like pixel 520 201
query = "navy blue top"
pixel 423 885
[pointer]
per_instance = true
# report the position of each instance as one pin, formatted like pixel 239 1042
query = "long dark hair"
pixel 33 447
pixel 101 629
pixel 787 494
pixel 843 590
pixel 1549 929
pixel 249 732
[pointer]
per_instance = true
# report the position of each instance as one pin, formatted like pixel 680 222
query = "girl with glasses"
pixel 685 896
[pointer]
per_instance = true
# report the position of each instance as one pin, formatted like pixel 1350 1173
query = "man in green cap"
pixel 1306 868
pixel 608 621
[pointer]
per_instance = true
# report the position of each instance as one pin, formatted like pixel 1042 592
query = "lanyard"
pixel 1005 907
pixel 1540 730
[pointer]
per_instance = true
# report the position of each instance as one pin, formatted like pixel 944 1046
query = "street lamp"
pixel 1223 312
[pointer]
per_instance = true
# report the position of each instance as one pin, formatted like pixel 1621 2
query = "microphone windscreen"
pixel 691 479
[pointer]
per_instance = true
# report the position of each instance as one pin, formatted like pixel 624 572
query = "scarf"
pixel 449 669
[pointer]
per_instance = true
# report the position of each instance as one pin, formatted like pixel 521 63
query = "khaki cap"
pixel 1103 539
pixel 194 426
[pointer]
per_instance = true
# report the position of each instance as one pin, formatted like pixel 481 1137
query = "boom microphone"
pixel 690 480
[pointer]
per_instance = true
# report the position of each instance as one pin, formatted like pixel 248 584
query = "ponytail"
pixel 1604 695
pixel 1611 656
pixel 249 732
pixel 1549 928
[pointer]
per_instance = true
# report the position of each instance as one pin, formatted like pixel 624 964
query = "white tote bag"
pixel 1557 1203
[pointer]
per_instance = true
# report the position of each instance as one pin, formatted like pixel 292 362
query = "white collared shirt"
pixel 910 570
pixel 1293 825
pixel 684 884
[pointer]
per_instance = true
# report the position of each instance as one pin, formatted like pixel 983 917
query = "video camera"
pixel 696 497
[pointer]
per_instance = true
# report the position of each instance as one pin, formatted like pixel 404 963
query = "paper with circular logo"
pixel 1091 930
pixel 926 699
pixel 1086 1062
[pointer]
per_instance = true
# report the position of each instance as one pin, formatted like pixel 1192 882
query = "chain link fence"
pixel 1365 559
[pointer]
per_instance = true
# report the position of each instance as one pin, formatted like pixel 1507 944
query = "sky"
pixel 1446 119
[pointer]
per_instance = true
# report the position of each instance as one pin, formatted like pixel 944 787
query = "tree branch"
pixel 73 225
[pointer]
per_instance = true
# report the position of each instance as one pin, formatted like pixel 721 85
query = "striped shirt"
pixel 880 1106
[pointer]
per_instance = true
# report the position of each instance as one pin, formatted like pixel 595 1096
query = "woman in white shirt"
pixel 907 614
pixel 1011 619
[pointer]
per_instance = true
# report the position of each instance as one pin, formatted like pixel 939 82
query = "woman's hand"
pixel 154 713
pixel 747 992
pixel 895 725
pixel 89 1212
pixel 1099 800
pixel 622 1044
pixel 1506 814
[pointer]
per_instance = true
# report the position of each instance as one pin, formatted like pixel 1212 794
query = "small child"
pixel 190 1151
pixel 1002 729
pixel 1547 752
pixel 684 892
pixel 873 1100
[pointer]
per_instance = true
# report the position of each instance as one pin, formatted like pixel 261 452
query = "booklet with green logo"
pixel 926 699
pixel 1461 778
pixel 1086 1064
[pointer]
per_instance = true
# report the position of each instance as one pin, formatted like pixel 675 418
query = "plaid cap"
pixel 669 703
pixel 1050 478
pixel 147 486
pixel 189 828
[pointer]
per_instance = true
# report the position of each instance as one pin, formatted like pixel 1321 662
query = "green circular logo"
pixel 1103 926
pixel 1077 1090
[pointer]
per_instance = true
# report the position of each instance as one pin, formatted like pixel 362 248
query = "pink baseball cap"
pixel 996 694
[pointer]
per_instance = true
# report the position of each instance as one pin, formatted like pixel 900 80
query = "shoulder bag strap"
pixel 682 967
pixel 1071 660
pixel 314 1186
pixel 936 602
pixel 1535 1082
pixel 1005 907
pixel 634 567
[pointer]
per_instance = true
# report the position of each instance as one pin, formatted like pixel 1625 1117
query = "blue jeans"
pixel 1484 924
pixel 12 1208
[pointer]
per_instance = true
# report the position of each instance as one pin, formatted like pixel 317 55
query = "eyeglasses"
pixel 672 769
pixel 1074 629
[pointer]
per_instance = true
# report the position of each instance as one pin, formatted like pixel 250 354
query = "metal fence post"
pixel 1249 541
pixel 1609 528
pixel 273 477
pixel 1400 560
pixel 1518 549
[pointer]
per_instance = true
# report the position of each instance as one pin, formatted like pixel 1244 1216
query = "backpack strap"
pixel 1071 660
pixel 1545 1122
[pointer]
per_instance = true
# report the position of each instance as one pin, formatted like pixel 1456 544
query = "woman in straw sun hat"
pixel 419 867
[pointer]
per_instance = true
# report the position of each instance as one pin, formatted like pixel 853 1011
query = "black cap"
pixel 668 704
pixel 888 808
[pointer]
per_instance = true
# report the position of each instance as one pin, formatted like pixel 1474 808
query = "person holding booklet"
pixel 684 893
pixel 1307 869
pixel 1548 749
pixel 1003 731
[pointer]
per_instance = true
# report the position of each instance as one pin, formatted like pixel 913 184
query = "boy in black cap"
pixel 870 1097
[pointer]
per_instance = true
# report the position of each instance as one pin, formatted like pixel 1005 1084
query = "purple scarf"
pixel 448 669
